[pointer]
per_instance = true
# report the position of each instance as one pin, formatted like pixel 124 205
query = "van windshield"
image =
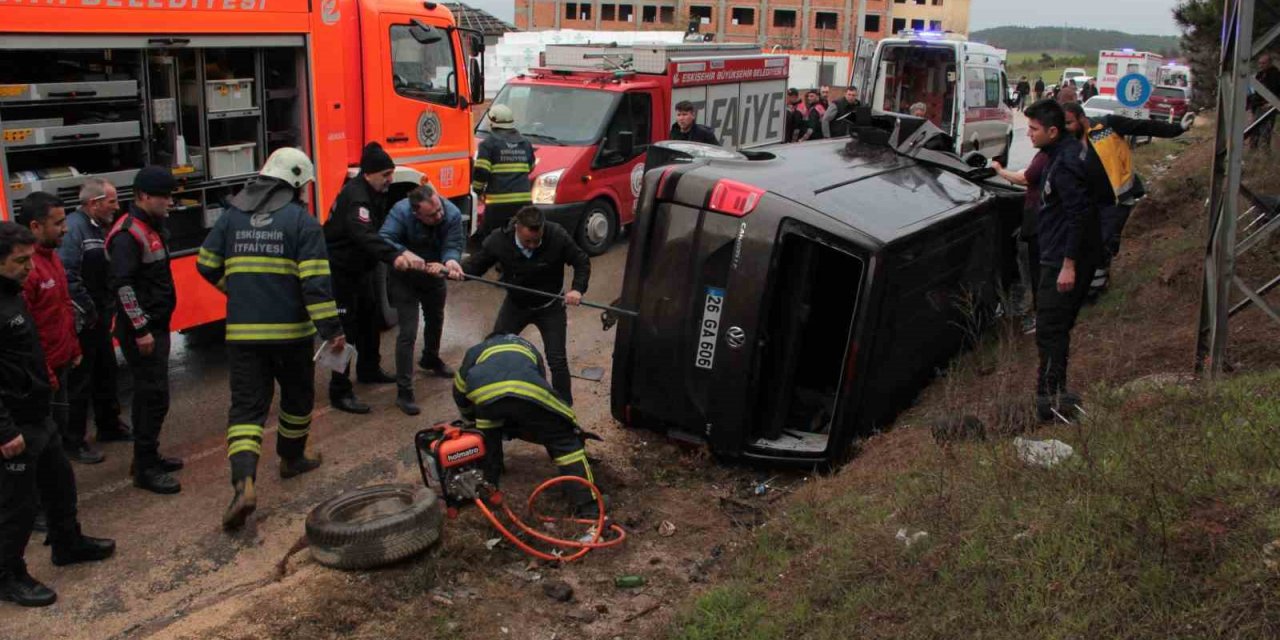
pixel 918 75
pixel 556 115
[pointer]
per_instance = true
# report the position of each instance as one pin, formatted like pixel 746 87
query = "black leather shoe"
pixel 84 549
pixel 406 403
pixel 25 590
pixel 169 465
pixel 119 433
pixel 376 377
pixel 436 367
pixel 299 466
pixel 84 455
pixel 156 480
pixel 350 405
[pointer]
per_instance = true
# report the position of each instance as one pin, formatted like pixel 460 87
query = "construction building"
pixel 809 25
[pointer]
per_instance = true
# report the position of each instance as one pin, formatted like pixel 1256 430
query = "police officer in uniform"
pixel 501 173
pixel 267 253
pixel 33 463
pixel 145 298
pixel 502 387
pixel 355 249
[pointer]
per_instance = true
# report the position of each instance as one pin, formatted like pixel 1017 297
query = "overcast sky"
pixel 1132 16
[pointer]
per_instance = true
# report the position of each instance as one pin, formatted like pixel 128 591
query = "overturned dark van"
pixel 794 299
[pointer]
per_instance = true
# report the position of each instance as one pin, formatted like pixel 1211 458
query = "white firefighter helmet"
pixel 500 117
pixel 290 165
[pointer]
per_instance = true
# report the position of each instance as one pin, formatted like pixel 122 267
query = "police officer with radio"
pixel 355 249
pixel 142 283
pixel 267 253
pixel 502 387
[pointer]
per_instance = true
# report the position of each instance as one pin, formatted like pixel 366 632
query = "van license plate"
pixel 709 330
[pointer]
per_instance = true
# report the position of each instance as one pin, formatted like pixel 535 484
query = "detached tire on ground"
pixel 374 526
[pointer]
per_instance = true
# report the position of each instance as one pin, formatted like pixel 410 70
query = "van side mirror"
pixel 424 33
pixel 974 159
pixel 477 45
pixel 476 73
pixel 626 144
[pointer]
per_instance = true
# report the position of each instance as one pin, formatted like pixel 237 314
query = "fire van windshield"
pixel 556 115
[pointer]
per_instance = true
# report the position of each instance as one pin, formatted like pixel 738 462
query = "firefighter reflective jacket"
pixel 502 168
pixel 274 268
pixel 504 366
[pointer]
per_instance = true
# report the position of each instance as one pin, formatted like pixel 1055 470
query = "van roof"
pixel 872 189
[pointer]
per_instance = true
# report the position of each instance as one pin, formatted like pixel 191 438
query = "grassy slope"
pixel 1157 528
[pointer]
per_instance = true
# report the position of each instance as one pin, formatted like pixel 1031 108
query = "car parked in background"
pixel 1099 106
pixel 1169 103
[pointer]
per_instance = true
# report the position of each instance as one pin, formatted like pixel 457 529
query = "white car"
pixel 1099 106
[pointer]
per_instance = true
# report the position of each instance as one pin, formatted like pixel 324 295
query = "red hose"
pixel 597 540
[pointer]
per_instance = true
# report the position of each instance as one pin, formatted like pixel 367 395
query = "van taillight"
pixel 734 198
pixel 662 183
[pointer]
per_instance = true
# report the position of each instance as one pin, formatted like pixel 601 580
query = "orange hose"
pixel 597 541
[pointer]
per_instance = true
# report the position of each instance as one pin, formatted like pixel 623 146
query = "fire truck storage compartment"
pixel 211 110
pixel 807 340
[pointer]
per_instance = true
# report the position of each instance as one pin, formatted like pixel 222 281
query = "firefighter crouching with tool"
pixel 502 387
pixel 267 253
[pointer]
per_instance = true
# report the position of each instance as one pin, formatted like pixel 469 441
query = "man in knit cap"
pixel 355 249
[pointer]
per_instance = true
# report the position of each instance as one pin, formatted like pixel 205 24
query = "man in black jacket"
pixel 1070 241
pixel 686 126
pixel 33 462
pixel 84 255
pixel 355 249
pixel 533 254
pixel 838 118
pixel 142 282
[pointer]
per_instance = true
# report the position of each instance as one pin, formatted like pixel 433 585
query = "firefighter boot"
pixel 290 467
pixel 242 504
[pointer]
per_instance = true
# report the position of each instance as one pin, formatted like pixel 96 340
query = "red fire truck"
pixel 210 87
pixel 592 111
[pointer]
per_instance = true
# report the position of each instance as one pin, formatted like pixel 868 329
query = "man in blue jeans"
pixel 430 227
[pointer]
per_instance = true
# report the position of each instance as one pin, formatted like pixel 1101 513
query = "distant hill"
pixel 1074 40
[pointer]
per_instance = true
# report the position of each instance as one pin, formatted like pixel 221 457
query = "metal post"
pixel 1234 78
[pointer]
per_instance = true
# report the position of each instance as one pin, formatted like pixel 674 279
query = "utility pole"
pixel 1235 78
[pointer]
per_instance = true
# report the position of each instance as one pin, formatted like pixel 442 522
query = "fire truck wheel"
pixel 599 227
pixel 374 526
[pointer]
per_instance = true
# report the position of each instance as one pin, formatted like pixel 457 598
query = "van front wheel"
pixel 599 227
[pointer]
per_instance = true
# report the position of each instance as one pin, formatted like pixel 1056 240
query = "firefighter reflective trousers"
pixel 516 418
pixel 255 370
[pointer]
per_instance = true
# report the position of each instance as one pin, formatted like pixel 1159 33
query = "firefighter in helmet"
pixel 502 387
pixel 267 253
pixel 501 173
